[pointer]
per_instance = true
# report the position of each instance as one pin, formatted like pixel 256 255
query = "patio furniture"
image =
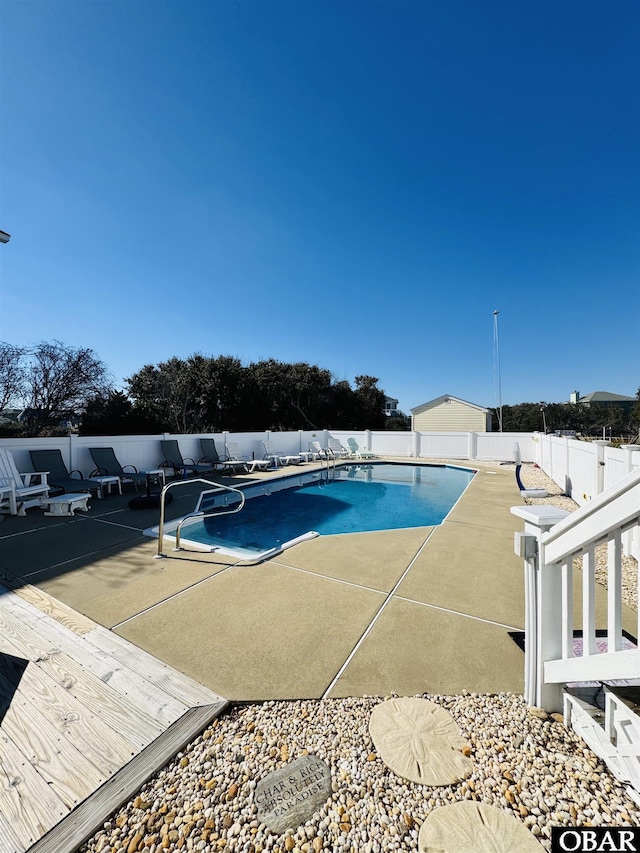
pixel 317 450
pixel 108 482
pixel 212 456
pixel 278 458
pixel 59 475
pixel 335 448
pixel 173 459
pixel 21 491
pixel 107 465
pixel 357 452
pixel 64 505
pixel 251 465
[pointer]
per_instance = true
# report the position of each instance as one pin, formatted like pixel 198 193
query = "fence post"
pixel 73 451
pixel 367 439
pixel 543 604
pixel 600 463
pixel 472 445
pixel 416 444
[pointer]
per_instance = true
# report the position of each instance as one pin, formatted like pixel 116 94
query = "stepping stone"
pixel 419 741
pixel 468 827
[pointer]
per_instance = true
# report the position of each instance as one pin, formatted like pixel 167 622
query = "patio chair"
pixel 173 459
pixel 317 450
pixel 251 465
pixel 60 477
pixel 21 491
pixel 212 457
pixel 357 452
pixel 278 458
pixel 107 465
pixel 335 448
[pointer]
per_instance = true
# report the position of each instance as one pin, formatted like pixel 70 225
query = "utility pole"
pixel 496 366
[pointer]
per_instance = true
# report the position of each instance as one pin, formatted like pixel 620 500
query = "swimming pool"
pixel 361 497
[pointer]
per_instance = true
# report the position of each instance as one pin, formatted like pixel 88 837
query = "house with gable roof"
pixel 450 414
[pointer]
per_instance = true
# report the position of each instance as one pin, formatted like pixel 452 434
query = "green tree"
pixel 173 394
pixel 370 403
pixel 115 414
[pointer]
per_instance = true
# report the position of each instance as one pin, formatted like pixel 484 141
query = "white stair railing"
pixel 552 540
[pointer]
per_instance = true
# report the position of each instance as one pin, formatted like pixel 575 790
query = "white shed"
pixel 450 414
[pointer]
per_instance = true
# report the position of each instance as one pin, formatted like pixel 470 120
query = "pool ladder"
pixel 198 514
pixel 330 467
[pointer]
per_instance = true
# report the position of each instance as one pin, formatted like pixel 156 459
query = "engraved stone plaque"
pixel 288 797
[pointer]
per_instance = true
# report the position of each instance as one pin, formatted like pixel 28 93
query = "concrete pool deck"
pixel 406 611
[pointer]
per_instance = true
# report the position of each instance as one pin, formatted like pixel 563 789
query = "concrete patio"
pixel 405 611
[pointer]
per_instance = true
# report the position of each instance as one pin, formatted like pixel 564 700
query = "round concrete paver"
pixel 469 827
pixel 419 741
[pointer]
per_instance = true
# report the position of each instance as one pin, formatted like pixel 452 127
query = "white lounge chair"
pixel 358 452
pixel 278 458
pixel 317 451
pixel 251 465
pixel 336 449
pixel 27 490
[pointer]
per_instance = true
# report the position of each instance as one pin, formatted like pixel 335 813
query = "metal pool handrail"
pixel 198 514
pixel 329 458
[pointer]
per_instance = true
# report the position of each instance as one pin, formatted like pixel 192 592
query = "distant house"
pixel 450 414
pixel 604 398
pixel 391 409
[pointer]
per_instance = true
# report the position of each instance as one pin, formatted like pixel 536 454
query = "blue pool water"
pixel 361 498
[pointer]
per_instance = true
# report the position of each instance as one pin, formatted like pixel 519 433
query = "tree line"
pixel 56 384
pixel 59 387
pixel 588 420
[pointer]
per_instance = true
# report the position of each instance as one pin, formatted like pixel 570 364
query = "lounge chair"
pixel 107 465
pixel 357 452
pixel 213 458
pixel 173 459
pixel 317 450
pixel 278 458
pixel 60 477
pixel 336 449
pixel 21 490
pixel 234 455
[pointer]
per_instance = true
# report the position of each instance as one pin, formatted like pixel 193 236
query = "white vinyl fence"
pixel 584 469
pixel 145 451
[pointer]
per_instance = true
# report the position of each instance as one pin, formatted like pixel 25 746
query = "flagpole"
pixel 497 365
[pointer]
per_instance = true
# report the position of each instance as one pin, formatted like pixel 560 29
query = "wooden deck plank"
pixel 9 842
pixel 87 818
pixel 71 776
pixel 127 679
pixel 113 708
pixel 27 803
pixel 63 767
pixel 76 725
pixel 181 686
pixel 62 613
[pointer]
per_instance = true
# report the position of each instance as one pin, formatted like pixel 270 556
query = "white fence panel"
pixel 250 443
pixel 287 443
pixel 582 471
pixel 143 451
pixel 444 445
pixel 392 443
pixel 20 447
pixel 499 445
pixel 616 465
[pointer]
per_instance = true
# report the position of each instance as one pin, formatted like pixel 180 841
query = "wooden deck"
pixel 85 718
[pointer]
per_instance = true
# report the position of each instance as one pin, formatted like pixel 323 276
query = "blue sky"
pixel 357 185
